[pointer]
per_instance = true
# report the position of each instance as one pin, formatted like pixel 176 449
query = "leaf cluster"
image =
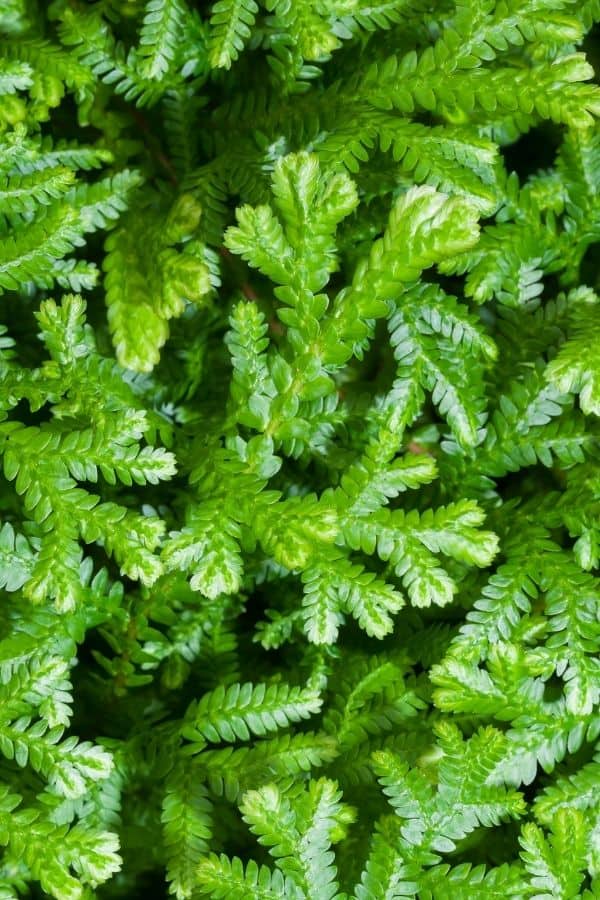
pixel 299 399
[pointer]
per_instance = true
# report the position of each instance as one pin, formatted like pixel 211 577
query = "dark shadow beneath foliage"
pixel 534 151
pixel 589 269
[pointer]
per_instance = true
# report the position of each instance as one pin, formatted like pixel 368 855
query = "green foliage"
pixel 299 399
pixel 149 280
pixel 231 25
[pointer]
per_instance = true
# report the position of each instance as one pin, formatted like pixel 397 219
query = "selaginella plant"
pixel 299 399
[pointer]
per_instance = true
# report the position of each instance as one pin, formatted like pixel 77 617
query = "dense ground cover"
pixel 299 398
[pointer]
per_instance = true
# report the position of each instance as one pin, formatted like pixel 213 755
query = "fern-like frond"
pixel 231 22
